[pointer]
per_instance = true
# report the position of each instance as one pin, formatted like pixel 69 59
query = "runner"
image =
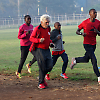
pixel 24 33
pixel 91 28
pixel 58 50
pixel 40 39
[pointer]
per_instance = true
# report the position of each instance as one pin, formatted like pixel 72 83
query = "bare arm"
pixel 80 33
pixel 96 31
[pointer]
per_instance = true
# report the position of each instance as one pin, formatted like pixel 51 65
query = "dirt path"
pixel 12 88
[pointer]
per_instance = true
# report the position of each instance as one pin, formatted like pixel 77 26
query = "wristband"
pixel 80 33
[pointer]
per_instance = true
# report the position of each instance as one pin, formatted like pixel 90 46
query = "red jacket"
pixel 38 33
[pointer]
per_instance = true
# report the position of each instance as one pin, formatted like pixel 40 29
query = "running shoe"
pixel 29 68
pixel 18 75
pixel 73 63
pixel 99 80
pixel 41 86
pixel 47 77
pixel 64 76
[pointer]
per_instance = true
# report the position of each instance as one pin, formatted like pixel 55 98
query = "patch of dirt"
pixel 12 88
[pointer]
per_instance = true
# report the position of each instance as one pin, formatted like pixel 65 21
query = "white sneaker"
pixel 99 79
pixel 73 63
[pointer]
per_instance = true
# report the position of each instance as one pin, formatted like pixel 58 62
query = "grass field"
pixel 10 55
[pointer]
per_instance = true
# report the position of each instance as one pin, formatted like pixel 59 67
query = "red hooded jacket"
pixel 38 33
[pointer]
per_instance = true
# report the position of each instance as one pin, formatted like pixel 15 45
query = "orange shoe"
pixel 18 75
pixel 29 68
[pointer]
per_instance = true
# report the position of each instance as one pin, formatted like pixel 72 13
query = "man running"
pixel 40 39
pixel 91 27
pixel 58 50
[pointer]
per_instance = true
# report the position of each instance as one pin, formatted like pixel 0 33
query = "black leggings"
pixel 65 61
pixel 24 53
pixel 44 61
pixel 89 55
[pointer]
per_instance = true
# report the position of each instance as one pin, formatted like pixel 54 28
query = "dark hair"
pixel 26 16
pixel 91 10
pixel 56 23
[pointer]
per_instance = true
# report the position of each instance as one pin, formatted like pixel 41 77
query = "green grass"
pixel 10 55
